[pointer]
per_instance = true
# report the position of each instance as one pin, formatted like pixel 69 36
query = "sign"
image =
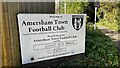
pixel 49 36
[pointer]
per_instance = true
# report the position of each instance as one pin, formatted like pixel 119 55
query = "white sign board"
pixel 49 36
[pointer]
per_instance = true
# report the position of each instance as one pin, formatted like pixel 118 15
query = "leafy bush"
pixel 109 15
pixel 73 7
pixel 100 51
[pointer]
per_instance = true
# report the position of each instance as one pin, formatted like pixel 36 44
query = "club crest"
pixel 77 21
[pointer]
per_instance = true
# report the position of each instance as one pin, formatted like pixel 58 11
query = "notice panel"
pixel 49 36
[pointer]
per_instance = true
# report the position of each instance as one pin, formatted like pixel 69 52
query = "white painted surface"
pixel 44 45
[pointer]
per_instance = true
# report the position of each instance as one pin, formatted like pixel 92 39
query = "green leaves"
pixel 73 7
pixel 100 51
pixel 109 15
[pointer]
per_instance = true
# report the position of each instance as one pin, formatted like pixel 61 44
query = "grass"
pixel 100 51
pixel 112 26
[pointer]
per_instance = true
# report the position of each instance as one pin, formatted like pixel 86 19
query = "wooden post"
pixel 10 34
pixel 0 34
pixel 6 52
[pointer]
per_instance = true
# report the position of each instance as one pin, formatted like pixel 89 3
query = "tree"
pixel 109 12
pixel 74 7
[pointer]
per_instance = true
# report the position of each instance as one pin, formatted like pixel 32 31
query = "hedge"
pixel 100 51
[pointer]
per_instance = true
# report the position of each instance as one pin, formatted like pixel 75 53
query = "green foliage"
pixel 109 14
pixel 79 8
pixel 73 7
pixel 90 11
pixel 100 51
pixel 112 26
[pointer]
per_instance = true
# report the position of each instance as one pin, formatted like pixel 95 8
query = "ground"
pixel 114 35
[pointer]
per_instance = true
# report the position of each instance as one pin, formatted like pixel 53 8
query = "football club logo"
pixel 77 21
